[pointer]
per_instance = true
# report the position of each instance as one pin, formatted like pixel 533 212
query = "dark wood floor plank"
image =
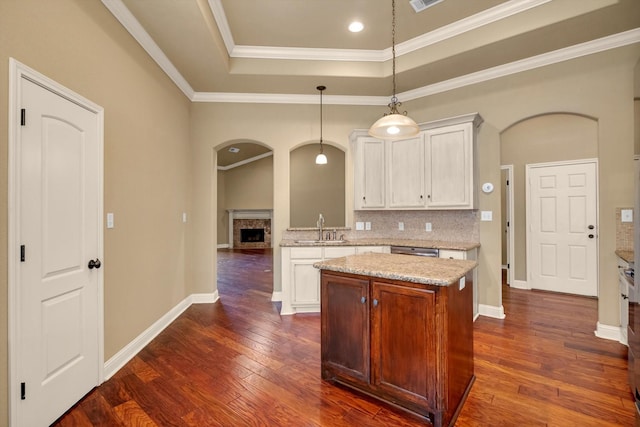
pixel 239 363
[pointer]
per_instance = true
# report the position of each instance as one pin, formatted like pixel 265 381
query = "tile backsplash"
pixel 624 232
pixel 456 226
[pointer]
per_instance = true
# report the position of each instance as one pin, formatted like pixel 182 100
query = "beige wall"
pixel 79 44
pixel 317 189
pixel 248 186
pixel 541 139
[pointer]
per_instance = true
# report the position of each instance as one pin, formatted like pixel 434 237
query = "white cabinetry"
pixel 301 280
pixel 435 170
pixel 471 254
pixel 369 173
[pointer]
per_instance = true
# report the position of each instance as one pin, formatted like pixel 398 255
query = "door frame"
pixel 18 72
pixel 510 217
pixel 528 168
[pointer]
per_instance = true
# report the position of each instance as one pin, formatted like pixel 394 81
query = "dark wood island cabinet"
pixel 409 344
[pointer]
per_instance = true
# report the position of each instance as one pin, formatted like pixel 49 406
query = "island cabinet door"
pixel 403 345
pixel 345 329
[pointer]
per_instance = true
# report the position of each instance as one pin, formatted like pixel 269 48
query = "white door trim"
pixel 512 222
pixel 17 72
pixel 528 208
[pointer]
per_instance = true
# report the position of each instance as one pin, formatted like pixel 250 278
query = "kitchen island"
pixel 400 328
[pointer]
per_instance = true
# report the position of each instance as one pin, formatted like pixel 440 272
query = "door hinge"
pixel 507 223
pixel 22 253
pixel 23 391
pixel 23 117
pixel 508 266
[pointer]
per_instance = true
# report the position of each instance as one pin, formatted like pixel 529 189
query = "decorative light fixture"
pixel 394 125
pixel 321 158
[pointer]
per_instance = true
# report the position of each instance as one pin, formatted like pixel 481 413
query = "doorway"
pixel 506 181
pixel 55 247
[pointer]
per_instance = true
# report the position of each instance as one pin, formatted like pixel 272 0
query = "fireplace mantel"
pixel 265 214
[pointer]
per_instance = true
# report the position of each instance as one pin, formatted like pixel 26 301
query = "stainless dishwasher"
pixel 407 250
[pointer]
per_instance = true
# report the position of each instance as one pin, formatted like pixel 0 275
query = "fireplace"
pixel 251 235
pixel 249 228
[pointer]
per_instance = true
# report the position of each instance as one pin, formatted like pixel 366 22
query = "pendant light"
pixel 394 125
pixel 321 158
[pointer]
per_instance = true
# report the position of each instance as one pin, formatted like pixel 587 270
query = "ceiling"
pixel 275 50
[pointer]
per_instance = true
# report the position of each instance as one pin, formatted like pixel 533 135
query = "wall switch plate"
pixel 184 217
pixel 401 226
pixel 626 215
pixel 486 216
pixel 110 220
pixel 367 226
pixel 359 225
pixel 427 226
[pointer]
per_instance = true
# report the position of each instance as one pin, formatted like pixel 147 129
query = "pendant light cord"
pixel 393 47
pixel 321 88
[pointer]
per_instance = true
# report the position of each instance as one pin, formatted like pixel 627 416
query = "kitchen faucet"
pixel 320 226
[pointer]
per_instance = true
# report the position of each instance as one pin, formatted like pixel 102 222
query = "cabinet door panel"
pixel 403 342
pixel 448 158
pixel 369 174
pixel 306 282
pixel 406 173
pixel 345 328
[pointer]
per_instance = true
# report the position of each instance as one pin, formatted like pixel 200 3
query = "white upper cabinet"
pixel 435 170
pixel 369 173
pixel 405 162
pixel 449 167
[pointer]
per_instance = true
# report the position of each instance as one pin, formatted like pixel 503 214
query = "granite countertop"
pixel 437 244
pixel 625 255
pixel 415 269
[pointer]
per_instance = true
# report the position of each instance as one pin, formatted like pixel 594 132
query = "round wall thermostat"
pixel 487 187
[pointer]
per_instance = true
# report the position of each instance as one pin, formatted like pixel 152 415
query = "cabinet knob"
pixel 363 300
pixel 624 296
pixel 375 302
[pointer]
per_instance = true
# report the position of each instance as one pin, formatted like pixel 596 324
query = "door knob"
pixel 591 227
pixel 94 264
pixel 591 236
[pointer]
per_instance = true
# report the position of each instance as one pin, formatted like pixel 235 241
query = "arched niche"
pixel 317 189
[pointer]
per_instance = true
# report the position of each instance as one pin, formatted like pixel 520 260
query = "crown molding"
pixel 282 98
pixel 131 24
pixel 223 25
pixel 486 17
pixel 545 59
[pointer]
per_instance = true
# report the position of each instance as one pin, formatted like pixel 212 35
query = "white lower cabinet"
pixel 301 280
pixel 471 254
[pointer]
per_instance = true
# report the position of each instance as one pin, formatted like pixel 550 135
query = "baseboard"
pixel 608 332
pixel 276 296
pixel 205 298
pixel 223 246
pixel 128 352
pixel 491 311
pixel 520 284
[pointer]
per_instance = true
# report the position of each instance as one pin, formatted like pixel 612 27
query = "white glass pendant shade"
pixel 321 159
pixel 394 127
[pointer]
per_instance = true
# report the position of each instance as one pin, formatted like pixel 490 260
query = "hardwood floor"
pixel 239 363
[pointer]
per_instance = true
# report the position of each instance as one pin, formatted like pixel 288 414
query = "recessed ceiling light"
pixel 233 149
pixel 356 27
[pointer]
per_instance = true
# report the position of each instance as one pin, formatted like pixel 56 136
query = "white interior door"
pixel 59 222
pixel 562 228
